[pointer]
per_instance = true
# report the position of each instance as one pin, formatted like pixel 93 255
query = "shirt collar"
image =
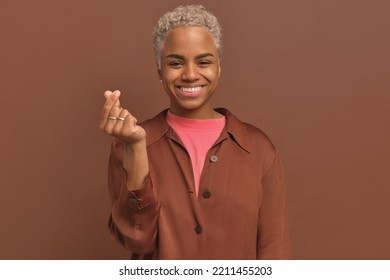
pixel 236 129
pixel 157 128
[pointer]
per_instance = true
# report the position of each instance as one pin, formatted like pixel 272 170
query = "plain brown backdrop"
pixel 314 75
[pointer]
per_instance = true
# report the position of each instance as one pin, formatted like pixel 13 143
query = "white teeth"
pixel 194 89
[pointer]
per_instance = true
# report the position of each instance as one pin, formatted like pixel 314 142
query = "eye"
pixel 175 64
pixel 204 63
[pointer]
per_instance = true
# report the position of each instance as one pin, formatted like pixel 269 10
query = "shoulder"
pixel 250 137
pixel 258 136
pixel 261 145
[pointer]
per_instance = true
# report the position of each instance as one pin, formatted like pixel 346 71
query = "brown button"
pixel 198 229
pixel 214 159
pixel 133 200
pixel 206 194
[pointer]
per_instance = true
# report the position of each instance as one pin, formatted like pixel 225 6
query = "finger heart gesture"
pixel 118 122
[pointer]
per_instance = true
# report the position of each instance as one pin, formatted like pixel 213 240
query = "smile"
pixel 190 91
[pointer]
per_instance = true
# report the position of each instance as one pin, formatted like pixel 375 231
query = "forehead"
pixel 188 40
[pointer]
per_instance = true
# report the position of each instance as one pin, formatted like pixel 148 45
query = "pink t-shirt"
pixel 198 136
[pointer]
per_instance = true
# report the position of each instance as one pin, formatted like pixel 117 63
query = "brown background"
pixel 314 75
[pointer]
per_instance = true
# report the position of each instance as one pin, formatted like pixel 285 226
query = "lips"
pixel 190 91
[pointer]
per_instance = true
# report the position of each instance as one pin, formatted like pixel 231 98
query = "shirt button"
pixel 214 159
pixel 198 229
pixel 206 194
pixel 133 200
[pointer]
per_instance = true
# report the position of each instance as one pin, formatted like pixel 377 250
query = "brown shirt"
pixel 241 210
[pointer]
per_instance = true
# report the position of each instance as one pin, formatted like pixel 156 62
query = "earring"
pixel 160 81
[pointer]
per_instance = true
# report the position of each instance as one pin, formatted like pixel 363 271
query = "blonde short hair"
pixel 191 15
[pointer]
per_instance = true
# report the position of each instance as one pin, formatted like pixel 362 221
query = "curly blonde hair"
pixel 191 15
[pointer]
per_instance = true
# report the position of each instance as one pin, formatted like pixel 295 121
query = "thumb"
pixel 117 94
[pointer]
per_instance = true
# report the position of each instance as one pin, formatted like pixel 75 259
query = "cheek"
pixel 213 76
pixel 170 75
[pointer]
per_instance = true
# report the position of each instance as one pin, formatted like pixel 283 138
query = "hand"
pixel 125 130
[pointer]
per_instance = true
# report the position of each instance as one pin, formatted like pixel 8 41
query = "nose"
pixel 190 73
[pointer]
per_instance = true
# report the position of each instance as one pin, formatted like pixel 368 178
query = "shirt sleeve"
pixel 273 240
pixel 134 214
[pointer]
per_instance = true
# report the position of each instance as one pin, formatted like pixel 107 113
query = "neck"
pixel 212 114
pixel 199 113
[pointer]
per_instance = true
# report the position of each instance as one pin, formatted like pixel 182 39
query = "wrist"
pixel 134 146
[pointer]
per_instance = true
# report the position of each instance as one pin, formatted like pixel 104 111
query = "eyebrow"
pixel 179 56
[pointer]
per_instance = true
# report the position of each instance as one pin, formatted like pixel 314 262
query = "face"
pixel 190 71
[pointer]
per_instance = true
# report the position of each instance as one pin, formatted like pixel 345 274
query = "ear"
pixel 219 71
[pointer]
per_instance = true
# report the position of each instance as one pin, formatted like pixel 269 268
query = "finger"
pixel 117 94
pixel 117 129
pixel 109 123
pixel 112 99
pixel 129 125
pixel 107 94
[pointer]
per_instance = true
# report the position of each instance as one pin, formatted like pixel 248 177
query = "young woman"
pixel 193 182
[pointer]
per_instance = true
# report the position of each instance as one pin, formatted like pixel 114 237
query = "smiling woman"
pixel 190 71
pixel 193 182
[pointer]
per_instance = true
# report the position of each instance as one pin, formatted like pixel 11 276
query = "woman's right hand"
pixel 125 129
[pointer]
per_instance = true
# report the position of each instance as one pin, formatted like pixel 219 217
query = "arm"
pixel 122 125
pixel 134 213
pixel 133 219
pixel 273 240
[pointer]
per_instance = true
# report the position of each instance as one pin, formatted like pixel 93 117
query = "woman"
pixel 193 182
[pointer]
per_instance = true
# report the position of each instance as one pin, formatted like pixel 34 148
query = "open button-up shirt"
pixel 241 210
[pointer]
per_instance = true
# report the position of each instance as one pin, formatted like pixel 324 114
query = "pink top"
pixel 198 136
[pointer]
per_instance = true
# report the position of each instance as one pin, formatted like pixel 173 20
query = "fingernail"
pixel 117 93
